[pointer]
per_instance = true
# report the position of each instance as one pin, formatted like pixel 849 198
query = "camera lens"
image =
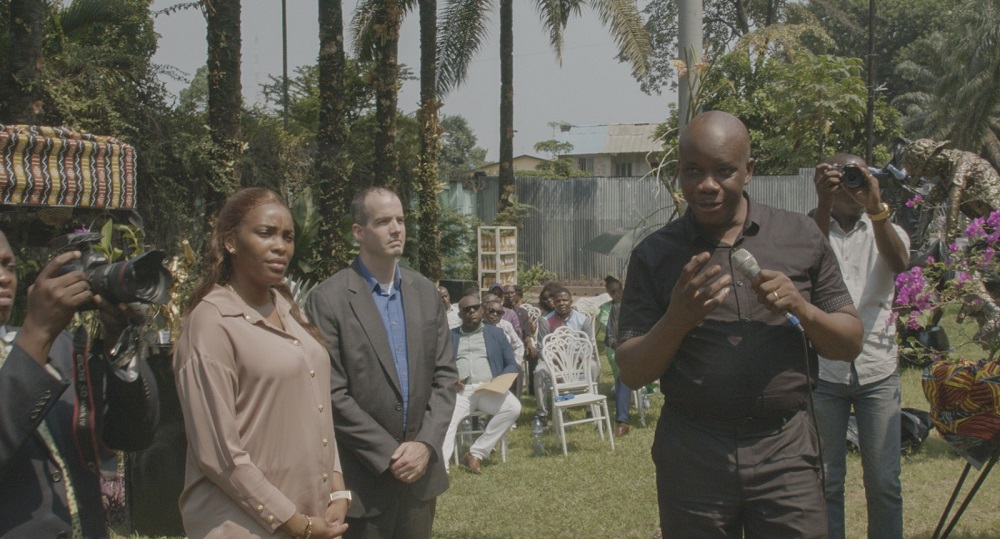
pixel 852 176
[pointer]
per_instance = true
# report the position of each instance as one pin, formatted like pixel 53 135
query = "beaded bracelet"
pixel 309 527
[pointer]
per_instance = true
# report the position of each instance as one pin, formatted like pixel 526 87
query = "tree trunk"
pixel 506 103
pixel 429 239
pixel 21 98
pixel 332 184
pixel 225 97
pixel 387 22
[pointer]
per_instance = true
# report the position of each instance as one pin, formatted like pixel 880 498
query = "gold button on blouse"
pixel 270 519
pixel 325 478
pixel 325 442
pixel 320 407
pixel 312 374
pixel 295 342
pixel 260 509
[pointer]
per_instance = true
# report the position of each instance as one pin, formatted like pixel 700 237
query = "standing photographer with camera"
pixel 60 414
pixel 870 250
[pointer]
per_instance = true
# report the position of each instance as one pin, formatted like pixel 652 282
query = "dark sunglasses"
pixel 471 308
pixel 495 311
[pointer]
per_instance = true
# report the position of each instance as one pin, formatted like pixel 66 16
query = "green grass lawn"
pixel 594 493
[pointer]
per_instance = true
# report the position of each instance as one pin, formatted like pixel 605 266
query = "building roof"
pixel 610 139
pixel 523 159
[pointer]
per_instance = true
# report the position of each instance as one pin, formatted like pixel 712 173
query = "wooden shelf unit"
pixel 497 246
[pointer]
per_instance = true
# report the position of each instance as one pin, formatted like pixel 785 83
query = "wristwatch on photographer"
pixel 341 495
pixel 882 215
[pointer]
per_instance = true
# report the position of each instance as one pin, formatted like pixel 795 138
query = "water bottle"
pixel 536 435
pixel 463 428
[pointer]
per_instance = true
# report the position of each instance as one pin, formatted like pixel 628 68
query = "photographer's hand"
pixel 52 300
pixel 114 320
pixel 827 181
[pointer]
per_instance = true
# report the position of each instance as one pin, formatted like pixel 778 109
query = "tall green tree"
pixel 22 98
pixel 332 169
pixel 427 184
pixel 375 28
pixel 225 95
pixel 459 152
pixel 898 24
pixel 799 107
pixel 463 31
pixel 954 78
pixel 724 22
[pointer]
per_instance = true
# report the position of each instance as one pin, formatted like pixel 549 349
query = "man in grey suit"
pixel 392 379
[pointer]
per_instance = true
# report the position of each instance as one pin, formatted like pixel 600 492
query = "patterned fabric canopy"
pixel 964 397
pixel 57 167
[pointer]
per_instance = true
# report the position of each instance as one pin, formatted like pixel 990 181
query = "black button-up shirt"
pixel 742 361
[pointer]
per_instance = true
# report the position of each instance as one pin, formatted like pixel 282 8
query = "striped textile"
pixel 54 166
pixel 964 397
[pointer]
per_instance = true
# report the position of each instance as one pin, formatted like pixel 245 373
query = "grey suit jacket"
pixel 33 499
pixel 365 390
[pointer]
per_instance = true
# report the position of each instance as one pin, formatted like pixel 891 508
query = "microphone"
pixel 745 263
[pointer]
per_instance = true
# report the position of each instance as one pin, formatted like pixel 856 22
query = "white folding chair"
pixel 468 436
pixel 568 356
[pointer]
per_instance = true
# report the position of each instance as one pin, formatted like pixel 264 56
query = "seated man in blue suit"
pixel 482 352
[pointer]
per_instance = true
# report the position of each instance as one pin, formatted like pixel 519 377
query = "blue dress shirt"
pixel 390 307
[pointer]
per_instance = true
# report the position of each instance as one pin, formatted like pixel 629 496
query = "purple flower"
pixel 913 202
pixel 975 228
pixel 987 256
pixel 953 248
pixel 994 219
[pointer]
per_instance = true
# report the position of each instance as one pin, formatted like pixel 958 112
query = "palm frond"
pixel 461 34
pixel 623 20
pixel 555 15
pixel 81 14
pixel 363 32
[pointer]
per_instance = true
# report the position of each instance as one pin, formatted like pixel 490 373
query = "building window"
pixel 585 164
pixel 623 169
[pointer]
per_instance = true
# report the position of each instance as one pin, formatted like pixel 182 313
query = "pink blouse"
pixel 256 403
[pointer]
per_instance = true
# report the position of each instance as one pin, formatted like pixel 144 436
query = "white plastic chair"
pixel 568 355
pixel 468 437
pixel 533 312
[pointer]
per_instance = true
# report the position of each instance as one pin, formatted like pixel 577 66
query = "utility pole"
pixel 870 113
pixel 689 45
pixel 284 63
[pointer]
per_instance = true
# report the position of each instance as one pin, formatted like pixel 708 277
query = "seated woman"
pixel 254 385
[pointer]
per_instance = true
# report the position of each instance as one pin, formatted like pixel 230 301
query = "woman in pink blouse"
pixel 254 386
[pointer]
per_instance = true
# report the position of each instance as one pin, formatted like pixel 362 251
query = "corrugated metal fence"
pixel 569 213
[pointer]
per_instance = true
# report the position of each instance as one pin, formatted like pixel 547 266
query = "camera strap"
pixel 89 407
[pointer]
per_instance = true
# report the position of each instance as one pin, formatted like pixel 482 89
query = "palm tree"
pixel 332 181
pixel 428 239
pixel 960 75
pixel 22 97
pixel 225 95
pixel 463 31
pixel 375 27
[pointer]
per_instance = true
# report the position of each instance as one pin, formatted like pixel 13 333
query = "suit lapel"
pixel 370 320
pixel 414 332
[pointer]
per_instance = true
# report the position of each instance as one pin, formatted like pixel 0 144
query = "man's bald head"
pixel 716 125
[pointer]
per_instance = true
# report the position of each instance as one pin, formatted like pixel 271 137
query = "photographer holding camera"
pixel 63 403
pixel 870 250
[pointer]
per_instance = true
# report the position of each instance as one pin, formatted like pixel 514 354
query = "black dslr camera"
pixel 142 279
pixel 851 175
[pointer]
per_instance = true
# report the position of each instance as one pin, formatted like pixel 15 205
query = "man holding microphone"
pixel 735 450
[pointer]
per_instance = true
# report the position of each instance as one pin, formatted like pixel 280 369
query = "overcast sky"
pixel 590 87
